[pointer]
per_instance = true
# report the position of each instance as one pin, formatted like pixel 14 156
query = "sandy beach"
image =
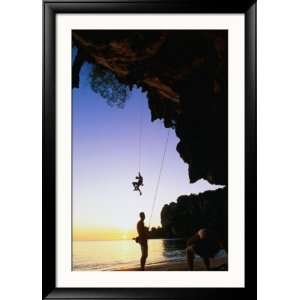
pixel 216 265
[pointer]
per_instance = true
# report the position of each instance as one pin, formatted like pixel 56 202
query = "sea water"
pixel 115 255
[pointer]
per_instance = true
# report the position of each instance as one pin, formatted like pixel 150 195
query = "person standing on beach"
pixel 142 239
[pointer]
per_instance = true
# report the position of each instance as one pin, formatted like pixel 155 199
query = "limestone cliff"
pixel 185 76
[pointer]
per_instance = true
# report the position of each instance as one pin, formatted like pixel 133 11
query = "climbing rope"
pixel 159 177
pixel 140 137
pixel 140 159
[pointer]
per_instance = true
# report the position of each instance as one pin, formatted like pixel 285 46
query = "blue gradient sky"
pixel 105 162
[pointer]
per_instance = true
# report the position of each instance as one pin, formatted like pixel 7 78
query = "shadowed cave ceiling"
pixel 184 74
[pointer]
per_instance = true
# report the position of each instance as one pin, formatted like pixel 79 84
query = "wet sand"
pixel 217 265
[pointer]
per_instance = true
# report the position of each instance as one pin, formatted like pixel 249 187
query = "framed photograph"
pixel 149 150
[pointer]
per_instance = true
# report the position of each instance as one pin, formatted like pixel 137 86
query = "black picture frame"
pixel 50 9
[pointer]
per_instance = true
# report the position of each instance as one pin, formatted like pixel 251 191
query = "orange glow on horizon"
pixel 96 234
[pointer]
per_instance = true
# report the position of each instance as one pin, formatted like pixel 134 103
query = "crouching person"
pixel 204 243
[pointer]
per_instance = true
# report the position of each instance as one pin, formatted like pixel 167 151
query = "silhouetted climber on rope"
pixel 138 183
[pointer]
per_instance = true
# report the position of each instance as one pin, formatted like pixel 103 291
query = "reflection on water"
pixel 110 255
pixel 173 249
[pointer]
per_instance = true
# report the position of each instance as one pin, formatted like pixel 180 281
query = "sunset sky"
pixel 105 162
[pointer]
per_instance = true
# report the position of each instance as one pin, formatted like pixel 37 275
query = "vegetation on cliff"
pixel 190 213
pixel 185 76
